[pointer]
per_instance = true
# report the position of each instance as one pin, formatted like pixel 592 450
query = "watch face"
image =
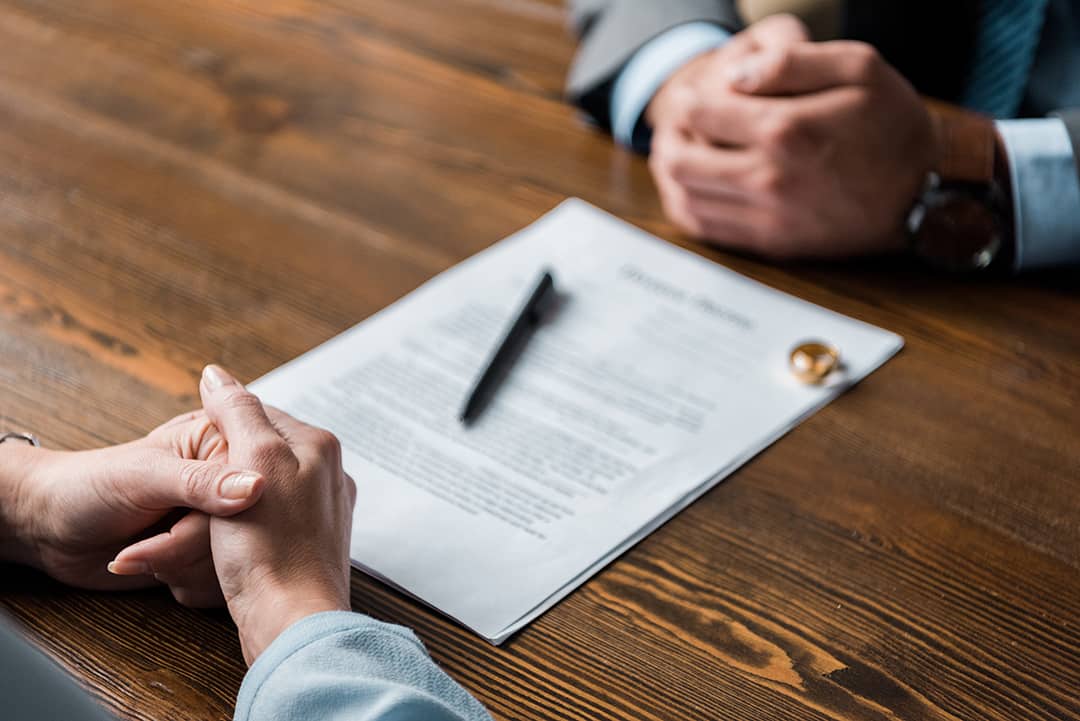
pixel 958 228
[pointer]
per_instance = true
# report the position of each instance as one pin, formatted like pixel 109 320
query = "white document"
pixel 659 375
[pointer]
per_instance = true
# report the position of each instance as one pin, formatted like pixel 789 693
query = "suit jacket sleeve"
pixel 611 31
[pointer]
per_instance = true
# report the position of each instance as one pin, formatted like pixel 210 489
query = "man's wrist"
pixel 650 69
pixel 654 111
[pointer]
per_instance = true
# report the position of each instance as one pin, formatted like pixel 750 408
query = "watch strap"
pixel 969 143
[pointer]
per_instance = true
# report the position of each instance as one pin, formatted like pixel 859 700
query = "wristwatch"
pixel 963 219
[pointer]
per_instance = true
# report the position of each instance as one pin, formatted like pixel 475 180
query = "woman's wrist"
pixel 264 610
pixel 17 463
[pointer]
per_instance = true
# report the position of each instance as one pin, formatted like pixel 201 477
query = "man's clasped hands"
pixel 791 149
pixel 238 504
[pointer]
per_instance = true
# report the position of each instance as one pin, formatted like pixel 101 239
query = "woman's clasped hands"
pixel 235 504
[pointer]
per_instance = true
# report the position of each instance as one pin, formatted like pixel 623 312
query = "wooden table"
pixel 184 182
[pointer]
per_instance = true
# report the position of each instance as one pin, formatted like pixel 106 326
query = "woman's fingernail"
pixel 215 377
pixel 130 568
pixel 240 486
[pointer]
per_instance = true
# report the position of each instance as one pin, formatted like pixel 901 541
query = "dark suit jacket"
pixel 930 41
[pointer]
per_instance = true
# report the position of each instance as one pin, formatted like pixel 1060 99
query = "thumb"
pixel 161 482
pixel 806 68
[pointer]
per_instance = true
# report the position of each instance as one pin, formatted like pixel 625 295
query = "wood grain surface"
pixel 237 181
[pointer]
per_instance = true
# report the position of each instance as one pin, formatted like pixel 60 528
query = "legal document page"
pixel 657 374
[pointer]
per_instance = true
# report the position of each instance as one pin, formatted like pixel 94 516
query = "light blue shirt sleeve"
pixel 341 666
pixel 649 69
pixel 1046 192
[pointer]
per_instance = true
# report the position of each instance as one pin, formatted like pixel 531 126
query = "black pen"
pixel 509 348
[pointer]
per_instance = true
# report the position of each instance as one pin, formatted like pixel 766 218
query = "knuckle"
pixel 697 114
pixel 328 445
pixel 267 447
pixel 673 105
pixel 789 24
pixel 713 63
pixel 199 479
pixel 684 103
pixel 771 181
pixel 706 107
pixel 240 399
pixel 782 63
pixel 786 133
pixel 861 102
pixel 778 130
pixel 270 452
pixel 864 60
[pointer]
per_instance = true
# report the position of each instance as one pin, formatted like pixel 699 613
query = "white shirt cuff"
pixel 1046 192
pixel 650 68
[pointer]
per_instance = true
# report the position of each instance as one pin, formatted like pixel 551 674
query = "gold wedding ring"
pixel 814 361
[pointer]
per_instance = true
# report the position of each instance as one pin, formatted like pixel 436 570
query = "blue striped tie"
pixel 1009 33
